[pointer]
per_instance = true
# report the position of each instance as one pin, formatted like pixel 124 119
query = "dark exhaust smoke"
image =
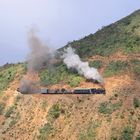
pixel 38 58
pixel 40 53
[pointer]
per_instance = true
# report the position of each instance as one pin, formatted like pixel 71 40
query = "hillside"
pixel 115 52
pixel 123 35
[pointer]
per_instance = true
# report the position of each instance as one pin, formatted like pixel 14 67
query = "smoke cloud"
pixel 41 56
pixel 40 53
pixel 38 58
pixel 72 60
pixel 28 86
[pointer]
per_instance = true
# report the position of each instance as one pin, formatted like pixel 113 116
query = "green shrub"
pixel 15 118
pixel 18 98
pixel 97 64
pixel 74 81
pixel 109 108
pixel 135 65
pixel 132 45
pixel 60 74
pixel 115 134
pixel 12 123
pixel 135 62
pixel 5 98
pixel 2 107
pixel 45 131
pixel 136 102
pixel 50 77
pixel 115 68
pixel 6 76
pixel 138 137
pixel 9 111
pixel 55 111
pixel 25 67
pixel 126 21
pixel 127 133
pixel 136 70
pixel 44 105
pixel 90 132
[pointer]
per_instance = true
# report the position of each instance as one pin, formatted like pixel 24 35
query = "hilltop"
pixel 115 51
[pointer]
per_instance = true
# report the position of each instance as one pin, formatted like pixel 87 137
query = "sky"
pixel 57 21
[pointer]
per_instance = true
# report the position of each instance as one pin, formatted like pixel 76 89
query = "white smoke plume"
pixel 72 60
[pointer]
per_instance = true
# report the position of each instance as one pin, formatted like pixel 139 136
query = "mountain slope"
pixel 123 35
pixel 115 51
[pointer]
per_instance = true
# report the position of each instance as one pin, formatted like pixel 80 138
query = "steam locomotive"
pixel 64 91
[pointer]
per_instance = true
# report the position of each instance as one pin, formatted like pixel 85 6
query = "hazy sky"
pixel 58 21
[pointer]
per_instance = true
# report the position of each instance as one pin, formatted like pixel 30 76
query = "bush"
pixel 6 76
pixel 109 108
pixel 132 45
pixel 127 133
pixel 15 119
pixel 12 123
pixel 115 68
pixel 9 111
pixel 44 105
pixel 45 131
pixel 136 102
pixel 138 137
pixel 58 75
pixel 135 65
pixel 50 77
pixel 97 64
pixel 2 106
pixel 90 132
pixel 74 81
pixel 55 111
pixel 115 134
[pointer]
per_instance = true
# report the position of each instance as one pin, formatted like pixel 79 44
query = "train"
pixel 65 91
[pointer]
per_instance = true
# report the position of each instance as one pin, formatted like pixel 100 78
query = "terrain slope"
pixel 115 51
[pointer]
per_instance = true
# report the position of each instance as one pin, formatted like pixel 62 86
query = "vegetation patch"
pixel 74 81
pixel 136 102
pixel 45 131
pixel 127 133
pixel 55 111
pixel 44 104
pixel 6 76
pixel 132 45
pixel 2 107
pixel 9 111
pixel 138 137
pixel 90 132
pixel 115 133
pixel 115 67
pixel 14 119
pixel 108 107
pixel 5 98
pixel 60 74
pixel 97 64
pixel 135 65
